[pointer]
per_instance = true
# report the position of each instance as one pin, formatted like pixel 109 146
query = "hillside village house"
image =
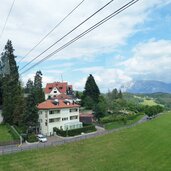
pixel 59 110
pixel 58 90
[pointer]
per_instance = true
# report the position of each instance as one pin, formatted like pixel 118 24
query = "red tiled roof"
pixel 49 105
pixel 62 87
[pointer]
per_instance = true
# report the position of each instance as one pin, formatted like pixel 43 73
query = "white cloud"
pixel 31 20
pixel 151 59
pixel 106 78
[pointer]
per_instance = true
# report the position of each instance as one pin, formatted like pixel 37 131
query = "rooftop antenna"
pixel 62 78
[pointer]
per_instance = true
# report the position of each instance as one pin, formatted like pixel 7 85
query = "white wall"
pixel 52 94
pixel 64 113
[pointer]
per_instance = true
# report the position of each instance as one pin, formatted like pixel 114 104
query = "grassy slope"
pixel 119 124
pixel 4 134
pixel 144 147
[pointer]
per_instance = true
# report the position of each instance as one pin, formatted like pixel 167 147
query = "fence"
pixel 14 149
pixel 14 142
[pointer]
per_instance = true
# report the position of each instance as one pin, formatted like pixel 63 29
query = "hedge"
pixel 73 132
pixel 32 138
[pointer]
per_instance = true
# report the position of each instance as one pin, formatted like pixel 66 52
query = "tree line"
pixel 16 108
pixel 112 103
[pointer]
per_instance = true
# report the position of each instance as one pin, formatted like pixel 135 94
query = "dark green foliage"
pixel 73 132
pixel 32 138
pixel 38 90
pixel 120 95
pixel 30 117
pixel 115 101
pixel 100 108
pixel 88 102
pixel 78 94
pixel 29 86
pixel 0 91
pixel 91 92
pixel 114 94
pixel 153 110
pixel 11 89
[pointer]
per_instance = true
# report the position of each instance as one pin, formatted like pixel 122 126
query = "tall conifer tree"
pixel 91 92
pixel 39 93
pixel 30 117
pixel 12 91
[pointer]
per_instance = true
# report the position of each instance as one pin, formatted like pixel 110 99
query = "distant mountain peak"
pixel 146 86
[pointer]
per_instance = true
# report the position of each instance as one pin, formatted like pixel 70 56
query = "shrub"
pixel 73 132
pixel 32 138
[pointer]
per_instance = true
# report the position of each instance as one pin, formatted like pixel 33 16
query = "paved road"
pixel 56 140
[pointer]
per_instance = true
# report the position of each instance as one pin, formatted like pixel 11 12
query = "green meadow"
pixel 145 147
pixel 148 102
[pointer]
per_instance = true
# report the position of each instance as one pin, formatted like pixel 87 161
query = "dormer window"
pixel 50 88
pixel 54 91
pixel 60 88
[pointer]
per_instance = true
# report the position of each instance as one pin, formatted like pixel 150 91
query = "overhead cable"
pixel 124 7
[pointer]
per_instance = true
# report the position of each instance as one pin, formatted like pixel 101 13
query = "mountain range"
pixel 146 86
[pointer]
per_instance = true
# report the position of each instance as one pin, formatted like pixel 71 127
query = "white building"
pixel 63 114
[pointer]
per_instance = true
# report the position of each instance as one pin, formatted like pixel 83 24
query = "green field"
pixel 150 102
pixel 5 134
pixel 146 147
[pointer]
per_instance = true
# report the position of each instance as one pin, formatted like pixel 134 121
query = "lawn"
pixel 146 147
pixel 5 133
pixel 118 124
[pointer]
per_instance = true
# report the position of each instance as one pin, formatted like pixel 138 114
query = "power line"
pixel 124 7
pixel 67 34
pixel 7 19
pixel 57 25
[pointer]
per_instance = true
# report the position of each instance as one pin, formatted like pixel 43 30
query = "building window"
pixel 54 120
pixel 40 112
pixel 54 112
pixel 45 115
pixel 73 110
pixel 73 117
pixel 60 88
pixel 64 119
pixel 55 91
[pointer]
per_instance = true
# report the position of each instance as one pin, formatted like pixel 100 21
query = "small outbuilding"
pixel 87 118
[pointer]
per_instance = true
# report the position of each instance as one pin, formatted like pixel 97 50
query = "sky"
pixel 134 45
